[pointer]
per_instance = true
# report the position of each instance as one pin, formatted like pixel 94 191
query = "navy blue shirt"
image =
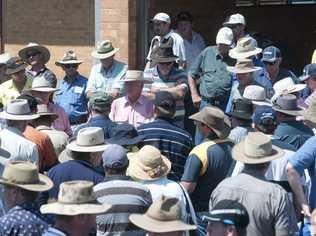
pixel 173 142
pixel 293 132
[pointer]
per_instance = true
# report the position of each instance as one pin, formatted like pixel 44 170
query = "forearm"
pixel 192 86
pixel 178 91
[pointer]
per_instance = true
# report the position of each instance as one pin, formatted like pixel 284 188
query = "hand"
pixel 306 210
pixel 154 90
pixel 196 99
pixel 114 93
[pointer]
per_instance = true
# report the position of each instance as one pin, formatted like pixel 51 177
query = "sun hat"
pixel 104 50
pixel 243 66
pixel 164 215
pixel 18 109
pixel 255 149
pixel 228 212
pixel 75 198
pixel 257 95
pixel 4 58
pixel 225 36
pixel 245 48
pixel 25 175
pixel 264 113
pixel 115 157
pixel 163 54
pixel 309 71
pixel 286 86
pixel 125 134
pixel 310 113
pixel 134 75
pixel 42 110
pixel 148 164
pixel 100 101
pixel 14 65
pixel 270 54
pixel 287 104
pixel 214 118
pixel 34 47
pixel 165 102
pixel 41 84
pixel 162 17
pixel 242 109
pixel 235 19
pixel 90 139
pixel 68 58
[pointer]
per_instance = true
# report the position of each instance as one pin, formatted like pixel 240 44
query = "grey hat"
pixel 18 109
pixel 287 104
pixel 114 157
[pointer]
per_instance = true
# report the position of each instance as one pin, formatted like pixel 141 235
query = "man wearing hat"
pixel 72 89
pixel 251 189
pixel 17 82
pixel 99 107
pixel 3 67
pixel 289 129
pixel 227 218
pixel 104 75
pixel 21 182
pixel 173 142
pixel 37 56
pixel 211 161
pixel 125 195
pixel 308 77
pixel 165 36
pixel 162 218
pixel 133 108
pixel 75 209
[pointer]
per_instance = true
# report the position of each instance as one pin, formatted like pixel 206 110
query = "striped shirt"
pixel 173 142
pixel 126 197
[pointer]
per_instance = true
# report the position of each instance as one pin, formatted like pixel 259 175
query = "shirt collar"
pixel 141 100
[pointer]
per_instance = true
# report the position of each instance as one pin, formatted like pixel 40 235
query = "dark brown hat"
pixel 242 109
pixel 163 54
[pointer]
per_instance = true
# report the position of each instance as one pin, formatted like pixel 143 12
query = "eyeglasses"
pixel 32 54
pixel 71 66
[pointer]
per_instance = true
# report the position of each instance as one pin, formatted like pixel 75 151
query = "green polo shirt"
pixel 210 67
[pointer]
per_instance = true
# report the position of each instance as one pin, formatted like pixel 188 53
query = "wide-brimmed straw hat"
pixel 257 95
pixel 164 215
pixel 90 139
pixel 287 104
pixel 286 86
pixel 245 48
pixel 34 47
pixel 14 65
pixel 68 58
pixel 25 175
pixel 104 50
pixel 310 113
pixel 75 198
pixel 255 149
pixel 41 84
pixel 42 110
pixel 243 66
pixel 215 119
pixel 134 75
pixel 148 164
pixel 18 109
pixel 163 54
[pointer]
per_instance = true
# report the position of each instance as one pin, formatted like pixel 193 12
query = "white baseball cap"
pixel 235 19
pixel 162 17
pixel 225 36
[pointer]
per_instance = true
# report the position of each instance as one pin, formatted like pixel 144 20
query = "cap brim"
pixel 242 55
pixel 41 49
pixel 97 148
pixel 7 116
pixel 97 55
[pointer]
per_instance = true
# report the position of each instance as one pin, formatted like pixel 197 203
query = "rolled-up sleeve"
pixel 195 69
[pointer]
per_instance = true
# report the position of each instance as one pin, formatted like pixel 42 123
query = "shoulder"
pixel 176 36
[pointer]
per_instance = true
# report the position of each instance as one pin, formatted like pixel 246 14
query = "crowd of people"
pixel 215 140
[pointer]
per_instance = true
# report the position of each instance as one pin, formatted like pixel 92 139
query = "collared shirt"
pixel 9 92
pixel 46 73
pixel 123 111
pixel 102 80
pixel 210 67
pixel 101 121
pixel 46 152
pixel 239 133
pixel 20 148
pixel 72 97
pixel 173 142
pixel 23 219
pixel 268 205
pixel 283 73
pixel 58 138
pixel 62 122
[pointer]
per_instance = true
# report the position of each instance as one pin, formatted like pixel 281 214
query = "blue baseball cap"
pixel 308 71
pixel 263 113
pixel 114 157
pixel 270 54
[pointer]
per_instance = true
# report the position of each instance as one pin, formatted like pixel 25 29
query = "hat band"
pixel 105 51
pixel 21 182
pixel 286 108
pixel 89 144
pixel 79 201
pixel 69 59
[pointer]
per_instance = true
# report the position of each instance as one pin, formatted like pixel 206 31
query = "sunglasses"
pixel 32 54
pixel 70 66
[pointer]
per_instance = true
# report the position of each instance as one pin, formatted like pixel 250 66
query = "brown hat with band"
pixel 104 50
pixel 163 54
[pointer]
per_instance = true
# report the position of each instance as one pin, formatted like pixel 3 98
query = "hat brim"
pixel 235 70
pixel 126 141
pixel 70 62
pixel 136 172
pixel 238 154
pixel 163 60
pixel 145 81
pixel 73 146
pixel 242 55
pixel 59 208
pixel 45 184
pixel 16 70
pixel 7 116
pixel 289 112
pixel 97 55
pixel 43 50
pixel 261 103
pixel 43 89
pixel 156 226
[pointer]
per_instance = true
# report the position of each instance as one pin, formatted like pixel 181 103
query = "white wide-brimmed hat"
pixel 257 95
pixel 104 50
pixel 41 84
pixel 134 75
pixel 286 86
pixel 68 58
pixel 245 48
pixel 18 109
pixel 243 66
pixel 34 47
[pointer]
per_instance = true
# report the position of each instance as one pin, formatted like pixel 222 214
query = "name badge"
pixel 78 89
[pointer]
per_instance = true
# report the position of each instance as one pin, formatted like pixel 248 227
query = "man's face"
pixel 238 30
pixel 107 62
pixel 272 66
pixel 18 76
pixel 223 49
pixel 311 83
pixel 165 67
pixel 185 27
pixel 161 28
pixel 133 89
pixel 219 229
pixel 244 79
pixel 70 69
pixel 34 57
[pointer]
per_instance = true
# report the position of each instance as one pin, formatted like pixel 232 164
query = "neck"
pixel 37 67
pixel 20 84
pixel 274 73
pixel 66 227
pixel 70 78
pixel 133 99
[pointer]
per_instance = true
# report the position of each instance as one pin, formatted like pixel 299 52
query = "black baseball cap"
pixel 165 102
pixel 228 212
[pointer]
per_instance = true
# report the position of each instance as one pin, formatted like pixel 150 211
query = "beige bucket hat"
pixel 68 58
pixel 286 86
pixel 215 119
pixel 90 139
pixel 148 164
pixel 257 95
pixel 42 110
pixel 135 75
pixel 163 216
pixel 287 104
pixel 34 47
pixel 18 109
pixel 104 50
pixel 243 66
pixel 75 198
pixel 310 113
pixel 255 149
pixel 25 175
pixel 245 48
pixel 40 84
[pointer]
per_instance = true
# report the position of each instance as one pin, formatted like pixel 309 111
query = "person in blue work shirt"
pixel 72 89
